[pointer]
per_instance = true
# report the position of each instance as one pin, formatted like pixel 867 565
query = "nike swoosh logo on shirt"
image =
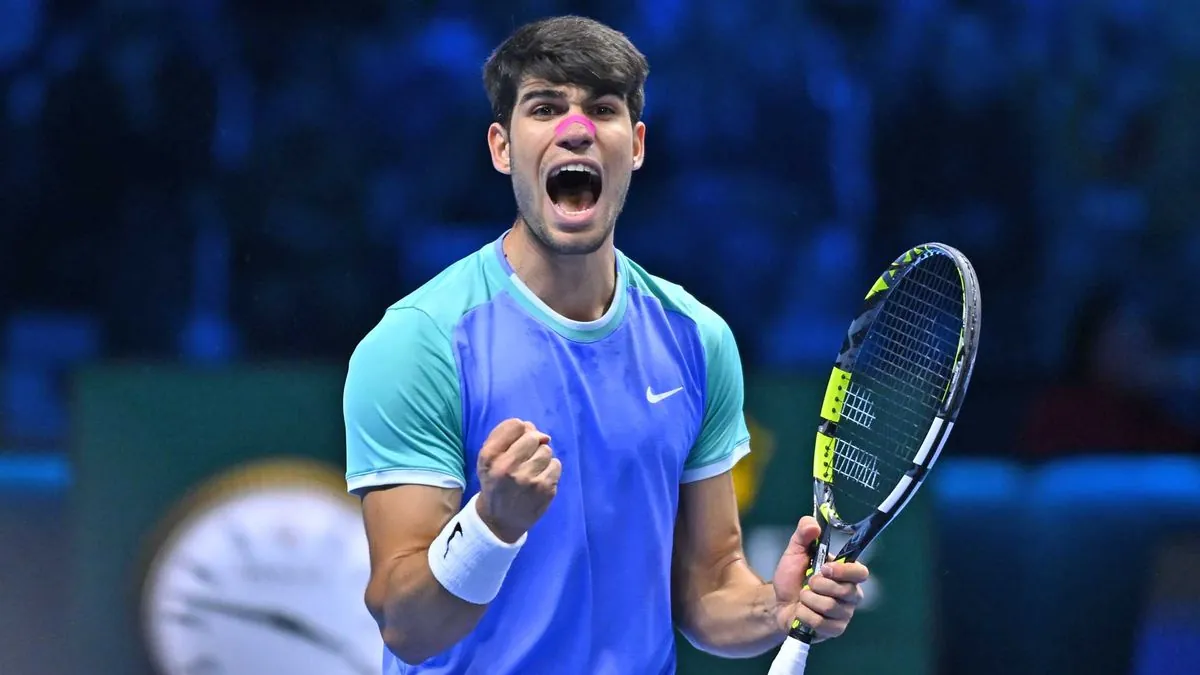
pixel 655 398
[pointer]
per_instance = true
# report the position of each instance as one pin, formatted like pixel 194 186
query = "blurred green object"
pixel 147 435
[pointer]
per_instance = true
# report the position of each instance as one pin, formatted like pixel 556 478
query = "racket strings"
pixel 926 353
pixel 858 407
pixel 916 336
pixel 856 464
pixel 902 372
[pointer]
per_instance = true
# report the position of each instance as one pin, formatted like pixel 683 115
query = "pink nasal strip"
pixel 574 119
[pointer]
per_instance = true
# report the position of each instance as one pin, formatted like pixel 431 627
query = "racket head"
pixel 894 393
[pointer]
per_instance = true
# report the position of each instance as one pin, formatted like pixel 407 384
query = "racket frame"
pixel 864 532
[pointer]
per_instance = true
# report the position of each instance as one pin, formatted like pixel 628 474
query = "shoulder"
pixel 416 331
pixel 452 294
pixel 711 327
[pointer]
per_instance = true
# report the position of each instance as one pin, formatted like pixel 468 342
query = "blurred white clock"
pixel 262 571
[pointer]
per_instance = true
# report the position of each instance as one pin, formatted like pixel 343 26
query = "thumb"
pixel 543 437
pixel 807 531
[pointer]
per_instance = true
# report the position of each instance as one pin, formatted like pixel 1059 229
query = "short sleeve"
pixel 401 406
pixel 724 437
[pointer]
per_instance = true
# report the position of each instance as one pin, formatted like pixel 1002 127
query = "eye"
pixel 543 110
pixel 605 110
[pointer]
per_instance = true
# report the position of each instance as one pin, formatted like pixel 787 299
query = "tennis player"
pixel 542 435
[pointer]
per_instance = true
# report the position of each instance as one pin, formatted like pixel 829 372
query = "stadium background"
pixel 205 204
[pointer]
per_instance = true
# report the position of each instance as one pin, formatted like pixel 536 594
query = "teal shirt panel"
pixel 724 436
pixel 402 402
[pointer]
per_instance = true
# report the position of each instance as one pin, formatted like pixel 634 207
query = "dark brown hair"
pixel 566 50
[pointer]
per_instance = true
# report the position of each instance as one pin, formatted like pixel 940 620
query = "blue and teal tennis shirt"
pixel 645 398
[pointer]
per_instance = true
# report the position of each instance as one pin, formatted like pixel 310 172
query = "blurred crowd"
pixel 215 181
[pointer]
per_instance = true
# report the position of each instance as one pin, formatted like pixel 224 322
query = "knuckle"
pixel 820 602
pixel 486 469
pixel 504 428
pixel 845 591
pixel 809 598
pixel 501 467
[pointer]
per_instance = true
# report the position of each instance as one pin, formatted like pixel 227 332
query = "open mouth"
pixel 574 188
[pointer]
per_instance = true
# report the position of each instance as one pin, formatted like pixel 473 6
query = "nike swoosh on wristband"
pixel 456 531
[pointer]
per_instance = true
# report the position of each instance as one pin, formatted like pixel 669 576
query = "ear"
pixel 499 146
pixel 639 145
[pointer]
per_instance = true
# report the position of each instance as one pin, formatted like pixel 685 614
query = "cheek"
pixel 524 160
pixel 524 175
pixel 519 164
pixel 620 155
pixel 625 149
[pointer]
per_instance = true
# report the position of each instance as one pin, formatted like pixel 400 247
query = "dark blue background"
pixel 221 183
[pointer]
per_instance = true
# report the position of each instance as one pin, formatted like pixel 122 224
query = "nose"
pixel 575 132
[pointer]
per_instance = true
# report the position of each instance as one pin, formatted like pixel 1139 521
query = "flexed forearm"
pixel 418 617
pixel 735 617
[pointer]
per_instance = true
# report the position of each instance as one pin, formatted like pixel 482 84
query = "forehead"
pixel 536 87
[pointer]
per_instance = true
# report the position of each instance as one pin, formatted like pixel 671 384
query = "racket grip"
pixel 791 658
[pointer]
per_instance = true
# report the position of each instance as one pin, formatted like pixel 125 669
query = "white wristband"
pixel 468 559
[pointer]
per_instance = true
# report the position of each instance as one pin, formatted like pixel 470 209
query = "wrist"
pixel 781 613
pixel 506 534
pixel 468 559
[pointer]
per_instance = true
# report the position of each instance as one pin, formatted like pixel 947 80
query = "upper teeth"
pixel 574 167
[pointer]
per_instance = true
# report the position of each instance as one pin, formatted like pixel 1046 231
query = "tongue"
pixel 576 201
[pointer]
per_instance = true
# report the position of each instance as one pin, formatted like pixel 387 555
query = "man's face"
pixel 570 154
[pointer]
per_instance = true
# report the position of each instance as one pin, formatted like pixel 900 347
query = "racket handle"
pixel 791 658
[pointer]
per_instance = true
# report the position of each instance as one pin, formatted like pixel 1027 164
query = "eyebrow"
pixel 532 94
pixel 556 95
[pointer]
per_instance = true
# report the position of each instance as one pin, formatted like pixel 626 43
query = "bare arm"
pixel 424 601
pixel 721 605
pixel 417 617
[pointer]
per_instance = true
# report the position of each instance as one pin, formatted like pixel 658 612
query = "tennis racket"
pixel 890 404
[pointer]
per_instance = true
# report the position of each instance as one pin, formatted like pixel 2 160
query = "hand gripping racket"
pixel 892 398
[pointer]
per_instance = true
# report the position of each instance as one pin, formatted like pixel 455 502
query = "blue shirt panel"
pixel 590 590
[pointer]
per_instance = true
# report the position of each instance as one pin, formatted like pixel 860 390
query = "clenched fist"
pixel 518 476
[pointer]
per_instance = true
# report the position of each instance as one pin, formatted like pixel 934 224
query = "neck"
pixel 579 287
